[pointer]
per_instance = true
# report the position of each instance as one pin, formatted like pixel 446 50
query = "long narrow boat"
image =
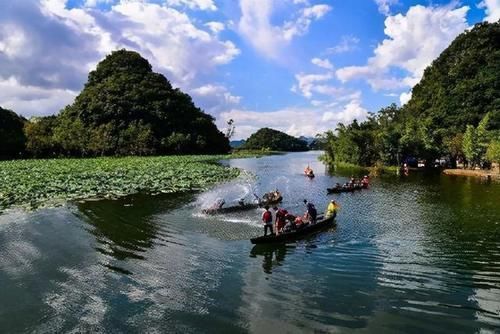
pixel 243 207
pixel 338 190
pixel 294 235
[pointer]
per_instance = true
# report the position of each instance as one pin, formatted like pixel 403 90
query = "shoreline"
pixel 487 174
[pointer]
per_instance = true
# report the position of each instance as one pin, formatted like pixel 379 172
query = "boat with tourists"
pixel 302 232
pixel 308 171
pixel 270 198
pixel 350 186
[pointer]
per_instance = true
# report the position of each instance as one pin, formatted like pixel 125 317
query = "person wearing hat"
pixel 331 210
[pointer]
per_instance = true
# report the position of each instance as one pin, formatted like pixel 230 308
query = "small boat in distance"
pixel 308 171
pixel 296 234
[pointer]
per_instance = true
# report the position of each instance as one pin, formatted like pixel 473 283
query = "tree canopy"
pixel 12 138
pixel 274 140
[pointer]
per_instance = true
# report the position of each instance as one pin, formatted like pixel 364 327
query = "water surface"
pixel 409 255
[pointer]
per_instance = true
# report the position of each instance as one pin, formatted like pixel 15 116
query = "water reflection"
pixel 272 255
pixel 126 228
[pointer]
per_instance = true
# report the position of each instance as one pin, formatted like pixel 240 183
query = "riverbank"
pixel 372 171
pixel 37 183
pixel 488 174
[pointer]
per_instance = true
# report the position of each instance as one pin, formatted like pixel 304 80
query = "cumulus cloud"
pixel 256 27
pixel 323 115
pixel 347 44
pixel 492 9
pixel 323 63
pixel 31 100
pixel 46 46
pixel 414 41
pixel 215 98
pixel 194 4
pixel 307 83
pixel 404 98
pixel 295 121
pixel 384 6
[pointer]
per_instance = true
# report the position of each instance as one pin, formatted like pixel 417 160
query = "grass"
pixel 37 183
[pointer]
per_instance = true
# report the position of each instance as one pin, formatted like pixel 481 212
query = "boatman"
pixel 267 219
pixel 331 210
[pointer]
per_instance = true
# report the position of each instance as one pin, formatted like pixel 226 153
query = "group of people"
pixel 308 171
pixel 354 184
pixel 280 220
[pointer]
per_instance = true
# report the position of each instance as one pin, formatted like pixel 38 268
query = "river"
pixel 416 254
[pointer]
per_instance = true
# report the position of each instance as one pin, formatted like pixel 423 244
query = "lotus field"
pixel 36 183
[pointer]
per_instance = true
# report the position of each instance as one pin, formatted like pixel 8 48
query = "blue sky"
pixel 300 66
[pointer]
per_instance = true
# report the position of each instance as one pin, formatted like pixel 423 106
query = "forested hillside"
pixel 454 111
pixel 125 109
pixel 274 140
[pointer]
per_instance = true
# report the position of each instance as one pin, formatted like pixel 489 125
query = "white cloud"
pixel 95 3
pixel 295 121
pixel 414 41
pixel 492 9
pixel 214 98
pixel 323 63
pixel 256 27
pixel 384 6
pixel 31 100
pixel 347 44
pixel 215 27
pixel 306 83
pixel 404 98
pixel 351 111
pixel 33 34
pixel 194 4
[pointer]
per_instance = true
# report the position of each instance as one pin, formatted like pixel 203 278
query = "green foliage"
pixel 493 151
pixel 12 138
pixel 470 145
pixel 127 109
pixel 459 93
pixel 35 183
pixel 40 137
pixel 274 140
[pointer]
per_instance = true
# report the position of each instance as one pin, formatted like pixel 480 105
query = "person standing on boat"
pixel 267 219
pixel 280 219
pixel 311 213
pixel 331 210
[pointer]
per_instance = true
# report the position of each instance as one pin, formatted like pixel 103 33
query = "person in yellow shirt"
pixel 331 210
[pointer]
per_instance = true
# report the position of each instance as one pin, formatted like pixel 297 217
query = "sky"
pixel 299 66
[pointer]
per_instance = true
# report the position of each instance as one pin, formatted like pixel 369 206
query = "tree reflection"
pixel 126 228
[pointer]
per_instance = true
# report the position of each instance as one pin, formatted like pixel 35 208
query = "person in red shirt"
pixel 267 220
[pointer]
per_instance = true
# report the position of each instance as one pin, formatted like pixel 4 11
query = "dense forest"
pixel 12 137
pixel 454 112
pixel 274 140
pixel 124 109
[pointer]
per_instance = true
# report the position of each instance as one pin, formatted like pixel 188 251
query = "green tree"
pixel 470 146
pixel 12 137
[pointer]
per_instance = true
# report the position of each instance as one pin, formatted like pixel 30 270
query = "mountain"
pixel 127 109
pixel 461 86
pixel 237 143
pixel 12 137
pixel 274 140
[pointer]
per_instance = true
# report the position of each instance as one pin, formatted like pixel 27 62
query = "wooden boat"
pixel 338 190
pixel 310 174
pixel 294 235
pixel 242 207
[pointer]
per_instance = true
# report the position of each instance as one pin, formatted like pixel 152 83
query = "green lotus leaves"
pixel 37 183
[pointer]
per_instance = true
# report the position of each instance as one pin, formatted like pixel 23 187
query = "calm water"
pixel 410 255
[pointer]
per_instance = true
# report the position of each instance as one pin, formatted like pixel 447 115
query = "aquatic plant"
pixel 35 183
